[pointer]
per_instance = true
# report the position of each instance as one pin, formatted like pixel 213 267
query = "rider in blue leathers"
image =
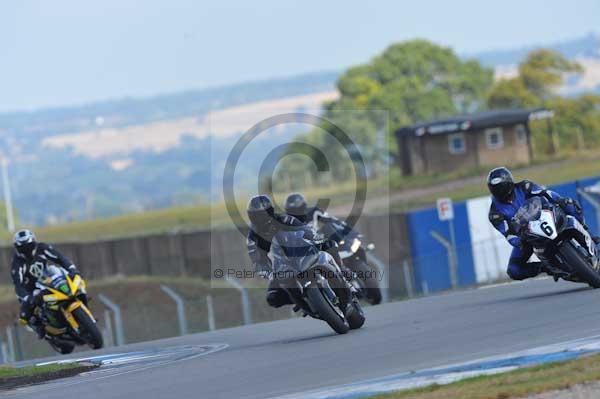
pixel 507 198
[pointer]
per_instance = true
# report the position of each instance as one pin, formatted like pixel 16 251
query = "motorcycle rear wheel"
pixel 63 348
pixel 579 264
pixel 355 316
pixel 371 285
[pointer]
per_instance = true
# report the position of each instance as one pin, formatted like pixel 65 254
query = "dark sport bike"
pixel 314 281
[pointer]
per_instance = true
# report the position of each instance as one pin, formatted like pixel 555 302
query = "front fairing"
pixel 57 286
pixel 293 252
pixel 568 229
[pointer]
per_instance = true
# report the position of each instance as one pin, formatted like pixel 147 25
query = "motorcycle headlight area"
pixel 78 285
pixel 355 245
pixel 560 217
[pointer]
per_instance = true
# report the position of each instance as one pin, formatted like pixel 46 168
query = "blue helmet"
pixel 501 184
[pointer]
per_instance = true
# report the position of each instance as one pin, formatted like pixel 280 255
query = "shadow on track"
pixel 555 293
pixel 530 297
pixel 309 338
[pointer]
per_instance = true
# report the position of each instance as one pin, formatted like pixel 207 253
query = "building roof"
pixel 476 122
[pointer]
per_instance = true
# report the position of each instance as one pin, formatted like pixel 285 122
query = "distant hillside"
pixel 107 171
pixel 132 111
pixel 587 46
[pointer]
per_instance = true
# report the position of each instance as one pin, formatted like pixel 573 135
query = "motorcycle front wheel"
pixel 325 309
pixel 89 329
pixel 579 264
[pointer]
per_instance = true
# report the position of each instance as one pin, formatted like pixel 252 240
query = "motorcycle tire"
pixel 89 329
pixel 372 289
pixel 579 264
pixel 355 316
pixel 63 348
pixel 326 312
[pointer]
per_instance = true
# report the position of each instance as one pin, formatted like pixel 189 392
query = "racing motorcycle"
pixel 67 320
pixel 314 281
pixel 560 241
pixel 354 255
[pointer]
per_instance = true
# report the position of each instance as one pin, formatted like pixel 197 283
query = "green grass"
pixel 12 372
pixel 166 220
pixel 582 166
pixel 515 384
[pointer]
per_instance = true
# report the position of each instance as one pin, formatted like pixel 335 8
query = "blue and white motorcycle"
pixel 563 245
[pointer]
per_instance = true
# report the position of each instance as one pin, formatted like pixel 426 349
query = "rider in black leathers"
pixel 333 228
pixel 29 261
pixel 265 223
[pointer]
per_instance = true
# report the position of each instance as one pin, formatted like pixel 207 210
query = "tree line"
pixel 417 80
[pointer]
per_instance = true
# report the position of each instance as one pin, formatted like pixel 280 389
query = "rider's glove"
pixel 263 269
pixel 73 271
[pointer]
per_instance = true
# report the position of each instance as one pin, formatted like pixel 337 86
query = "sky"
pixel 69 52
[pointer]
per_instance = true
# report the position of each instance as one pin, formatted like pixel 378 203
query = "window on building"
pixel 521 132
pixel 457 143
pixel 494 138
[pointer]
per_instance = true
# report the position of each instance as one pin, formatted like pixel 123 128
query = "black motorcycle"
pixel 314 281
pixel 560 241
pixel 354 255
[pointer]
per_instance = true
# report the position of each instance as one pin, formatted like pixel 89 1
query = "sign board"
pixel 445 209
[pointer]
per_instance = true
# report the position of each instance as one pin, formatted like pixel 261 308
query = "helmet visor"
pixel 26 249
pixel 503 191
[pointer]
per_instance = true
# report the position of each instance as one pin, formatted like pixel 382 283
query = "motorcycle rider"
pixel 265 223
pixel 296 205
pixel 29 261
pixel 507 198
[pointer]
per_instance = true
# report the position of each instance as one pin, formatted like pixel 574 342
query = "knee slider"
pixel 514 272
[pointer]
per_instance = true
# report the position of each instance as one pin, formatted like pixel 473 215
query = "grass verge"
pixel 514 384
pixel 586 165
pixel 13 377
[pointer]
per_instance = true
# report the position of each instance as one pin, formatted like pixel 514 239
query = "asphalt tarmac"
pixel 284 357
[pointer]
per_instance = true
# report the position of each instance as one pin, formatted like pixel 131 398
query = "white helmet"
pixel 25 243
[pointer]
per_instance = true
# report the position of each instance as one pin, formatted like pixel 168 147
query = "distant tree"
pixel 415 80
pixel 540 74
pixel 410 81
pixel 544 70
pixel 512 93
pixel 576 121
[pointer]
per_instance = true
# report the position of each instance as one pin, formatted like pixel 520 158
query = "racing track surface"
pixel 277 358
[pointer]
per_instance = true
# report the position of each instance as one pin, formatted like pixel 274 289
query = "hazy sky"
pixel 61 52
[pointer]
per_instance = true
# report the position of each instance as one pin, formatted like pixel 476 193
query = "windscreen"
pixel 292 250
pixel 53 277
pixel 529 211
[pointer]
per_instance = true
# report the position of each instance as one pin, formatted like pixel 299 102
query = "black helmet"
pixel 501 184
pixel 260 210
pixel 25 243
pixel 295 205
